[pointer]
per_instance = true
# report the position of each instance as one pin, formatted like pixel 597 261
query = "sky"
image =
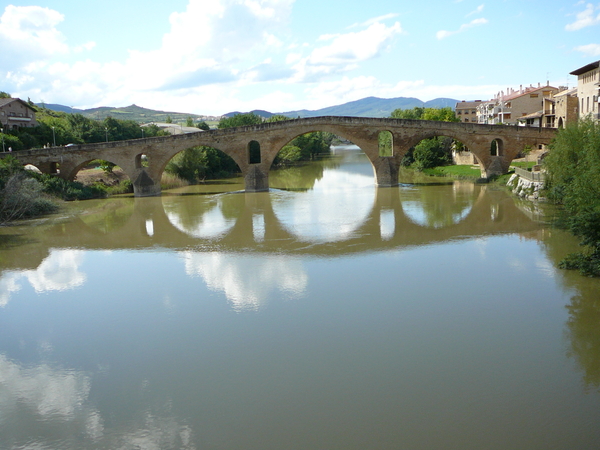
pixel 214 57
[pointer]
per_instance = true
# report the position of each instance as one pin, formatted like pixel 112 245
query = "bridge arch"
pixel 193 164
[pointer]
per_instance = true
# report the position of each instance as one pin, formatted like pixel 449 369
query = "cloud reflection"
pixel 210 224
pixel 332 211
pixel 49 392
pixel 247 280
pixel 58 272
pixel 51 402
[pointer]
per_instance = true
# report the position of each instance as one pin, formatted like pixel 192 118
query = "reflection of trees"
pixel 108 215
pixel 296 178
pixel 584 332
pixel 583 325
pixel 437 208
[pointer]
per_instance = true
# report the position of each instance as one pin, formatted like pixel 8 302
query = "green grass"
pixel 523 164
pixel 463 172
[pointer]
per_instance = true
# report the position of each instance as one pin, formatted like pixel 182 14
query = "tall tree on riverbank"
pixel 573 166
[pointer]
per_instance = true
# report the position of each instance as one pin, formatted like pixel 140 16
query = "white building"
pixel 588 90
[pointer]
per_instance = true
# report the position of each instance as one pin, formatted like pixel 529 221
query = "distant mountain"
pixel 59 108
pixel 366 107
pixel 132 112
pixel 373 107
pixel 258 112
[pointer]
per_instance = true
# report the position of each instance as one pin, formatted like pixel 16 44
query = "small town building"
pixel 507 107
pixel 467 111
pixel 15 113
pixel 588 90
pixel 566 107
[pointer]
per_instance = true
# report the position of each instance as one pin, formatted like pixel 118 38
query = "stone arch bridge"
pixel 242 144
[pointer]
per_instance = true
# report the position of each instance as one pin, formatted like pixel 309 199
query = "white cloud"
pixel 375 20
pixel 29 33
pixel 442 34
pixel 589 49
pixel 585 18
pixel 346 51
pixel 234 35
pixel 478 10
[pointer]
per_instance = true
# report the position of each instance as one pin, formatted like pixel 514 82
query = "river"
pixel 324 314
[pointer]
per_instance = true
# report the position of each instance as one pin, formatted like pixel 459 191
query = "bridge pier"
pixel 145 186
pixel 256 178
pixel 494 166
pixel 386 171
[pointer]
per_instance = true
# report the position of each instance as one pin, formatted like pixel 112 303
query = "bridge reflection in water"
pixel 285 222
pixel 220 236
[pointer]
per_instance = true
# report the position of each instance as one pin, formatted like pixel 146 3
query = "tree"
pixel 240 120
pixel 198 163
pixel 189 122
pixel 573 166
pixel 4 94
pixel 429 152
pixel 445 114
pixel 202 125
pixel 278 118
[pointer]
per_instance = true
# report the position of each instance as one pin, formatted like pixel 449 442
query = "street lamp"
pixel 2 133
pixel 53 137
pixel 106 131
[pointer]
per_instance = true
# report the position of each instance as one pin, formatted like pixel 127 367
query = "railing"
pixel 531 176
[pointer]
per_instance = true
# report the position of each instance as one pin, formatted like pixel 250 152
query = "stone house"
pixel 566 107
pixel 467 111
pixel 588 90
pixel 15 113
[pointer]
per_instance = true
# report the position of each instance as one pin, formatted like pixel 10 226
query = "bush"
pixel 23 197
pixel 573 166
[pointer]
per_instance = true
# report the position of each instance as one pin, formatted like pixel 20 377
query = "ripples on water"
pixel 334 315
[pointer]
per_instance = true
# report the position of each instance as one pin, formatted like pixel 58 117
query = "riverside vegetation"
pixel 573 167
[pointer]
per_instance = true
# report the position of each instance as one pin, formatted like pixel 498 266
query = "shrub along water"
pixel 24 193
pixel 573 166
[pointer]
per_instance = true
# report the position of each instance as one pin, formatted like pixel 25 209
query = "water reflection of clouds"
pixel 52 402
pixel 58 272
pixel 51 393
pixel 332 211
pixel 417 212
pixel 246 280
pixel 208 225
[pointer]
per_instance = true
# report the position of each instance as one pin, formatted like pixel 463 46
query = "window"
pixel 534 95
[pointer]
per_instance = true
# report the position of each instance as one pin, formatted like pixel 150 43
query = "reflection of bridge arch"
pixel 271 137
pixel 144 224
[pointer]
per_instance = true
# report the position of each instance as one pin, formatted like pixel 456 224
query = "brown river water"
pixel 324 314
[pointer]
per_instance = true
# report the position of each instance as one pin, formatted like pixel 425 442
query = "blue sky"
pixel 213 57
